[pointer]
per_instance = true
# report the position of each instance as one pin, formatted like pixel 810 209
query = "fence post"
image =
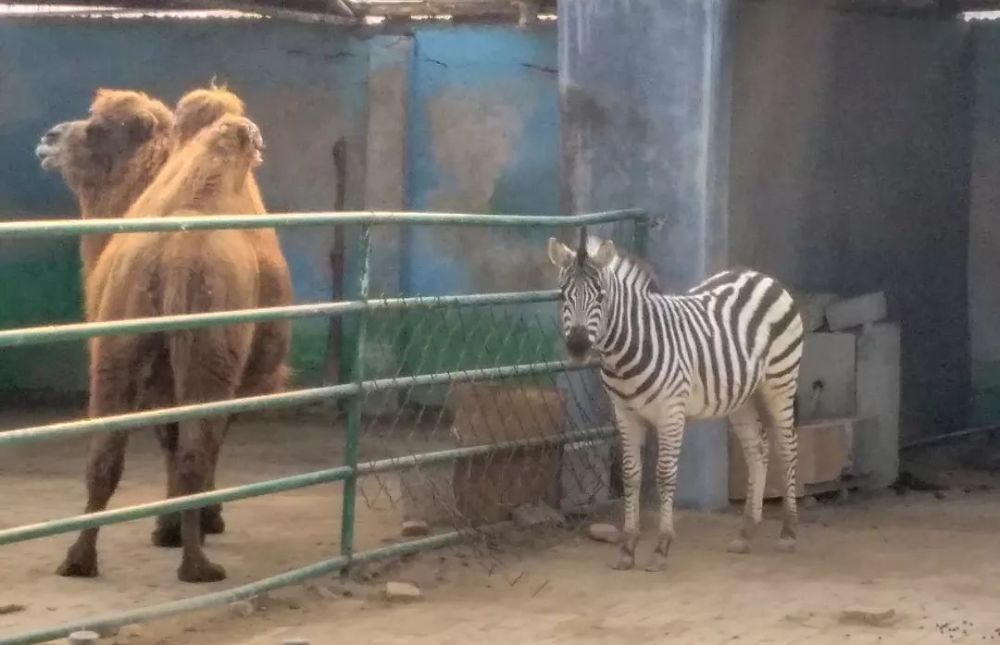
pixel 640 236
pixel 357 401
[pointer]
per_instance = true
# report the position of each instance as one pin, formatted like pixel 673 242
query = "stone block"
pixel 824 456
pixel 878 392
pixel 854 312
pixel 812 307
pixel 827 380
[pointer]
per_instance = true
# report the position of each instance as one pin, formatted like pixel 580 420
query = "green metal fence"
pixel 526 343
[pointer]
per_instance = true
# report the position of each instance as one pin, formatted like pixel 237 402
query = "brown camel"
pixel 88 156
pixel 170 274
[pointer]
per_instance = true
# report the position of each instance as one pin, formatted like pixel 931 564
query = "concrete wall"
pixel 305 88
pixel 463 119
pixel 984 228
pixel 849 172
pixel 484 135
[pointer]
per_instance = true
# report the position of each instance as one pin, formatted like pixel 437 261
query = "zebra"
pixel 729 347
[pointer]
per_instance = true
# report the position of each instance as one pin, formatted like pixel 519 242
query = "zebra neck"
pixel 629 305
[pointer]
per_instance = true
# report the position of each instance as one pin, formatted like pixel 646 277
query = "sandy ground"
pixel 932 561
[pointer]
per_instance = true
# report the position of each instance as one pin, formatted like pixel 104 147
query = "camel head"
pixel 108 158
pixel 234 142
pixel 202 107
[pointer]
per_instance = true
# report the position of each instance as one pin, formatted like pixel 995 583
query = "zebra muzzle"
pixel 578 341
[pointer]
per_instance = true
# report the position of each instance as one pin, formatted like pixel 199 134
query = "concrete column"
pixel 390 62
pixel 390 59
pixel 640 84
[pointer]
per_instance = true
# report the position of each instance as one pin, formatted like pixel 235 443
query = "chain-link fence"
pixel 458 412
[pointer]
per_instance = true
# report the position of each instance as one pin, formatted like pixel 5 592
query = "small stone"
pixel 402 592
pixel 84 637
pixel 242 608
pixel 12 608
pixel 940 494
pixel 809 501
pixel 604 533
pixel 873 618
pixel 415 528
pixel 532 515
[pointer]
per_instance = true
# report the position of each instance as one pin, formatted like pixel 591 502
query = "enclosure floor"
pixel 932 561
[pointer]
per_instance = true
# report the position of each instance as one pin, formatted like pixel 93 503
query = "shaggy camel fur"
pixel 264 370
pixel 170 274
pixel 108 160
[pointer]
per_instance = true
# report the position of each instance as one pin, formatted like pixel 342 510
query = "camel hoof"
pixel 785 545
pixel 77 566
pixel 739 545
pixel 167 537
pixel 203 571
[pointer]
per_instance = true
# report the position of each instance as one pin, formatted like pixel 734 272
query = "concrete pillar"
pixel 385 159
pixel 390 61
pixel 641 85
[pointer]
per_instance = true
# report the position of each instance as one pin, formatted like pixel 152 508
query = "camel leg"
pixel 105 463
pixel 111 392
pixel 212 522
pixel 197 442
pixel 168 527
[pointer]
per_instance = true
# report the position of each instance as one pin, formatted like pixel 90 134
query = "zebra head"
pixel 582 287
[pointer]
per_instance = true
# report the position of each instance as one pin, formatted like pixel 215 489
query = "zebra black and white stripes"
pixel 729 347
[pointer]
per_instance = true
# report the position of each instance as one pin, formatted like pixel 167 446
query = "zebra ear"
pixel 560 254
pixel 605 253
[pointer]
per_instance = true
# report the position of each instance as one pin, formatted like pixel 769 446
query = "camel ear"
pixel 559 254
pixel 604 255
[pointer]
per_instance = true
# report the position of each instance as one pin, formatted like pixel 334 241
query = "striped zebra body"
pixel 729 347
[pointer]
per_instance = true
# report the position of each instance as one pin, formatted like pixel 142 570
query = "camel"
pixel 106 170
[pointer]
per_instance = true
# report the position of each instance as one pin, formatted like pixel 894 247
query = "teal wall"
pixel 482 136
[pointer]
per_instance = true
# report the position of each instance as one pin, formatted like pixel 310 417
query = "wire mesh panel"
pixel 453 409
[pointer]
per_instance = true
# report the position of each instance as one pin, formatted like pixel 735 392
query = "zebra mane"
pixel 626 260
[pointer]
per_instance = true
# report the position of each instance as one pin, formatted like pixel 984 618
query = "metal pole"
pixel 357 401
pixel 640 236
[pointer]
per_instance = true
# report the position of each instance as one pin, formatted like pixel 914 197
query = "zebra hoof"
pixel 739 545
pixel 785 545
pixel 657 564
pixel 624 562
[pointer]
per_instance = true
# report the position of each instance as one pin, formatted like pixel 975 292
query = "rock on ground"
pixel 604 533
pixel 402 591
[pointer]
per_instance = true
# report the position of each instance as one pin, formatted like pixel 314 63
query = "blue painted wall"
pixel 483 137
pixel 305 85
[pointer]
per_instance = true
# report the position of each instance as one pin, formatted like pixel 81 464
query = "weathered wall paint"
pixel 484 136
pixel 304 87
pixel 481 135
pixel 850 155
pixel 984 229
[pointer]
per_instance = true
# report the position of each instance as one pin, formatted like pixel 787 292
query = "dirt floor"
pixel 929 559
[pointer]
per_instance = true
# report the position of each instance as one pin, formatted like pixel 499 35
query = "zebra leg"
pixel 632 432
pixel 778 401
pixel 745 424
pixel 669 437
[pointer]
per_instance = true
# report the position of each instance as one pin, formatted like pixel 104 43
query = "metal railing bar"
pixel 67 429
pixel 78 331
pixel 72 227
pixel 279 485
pixel 242 592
